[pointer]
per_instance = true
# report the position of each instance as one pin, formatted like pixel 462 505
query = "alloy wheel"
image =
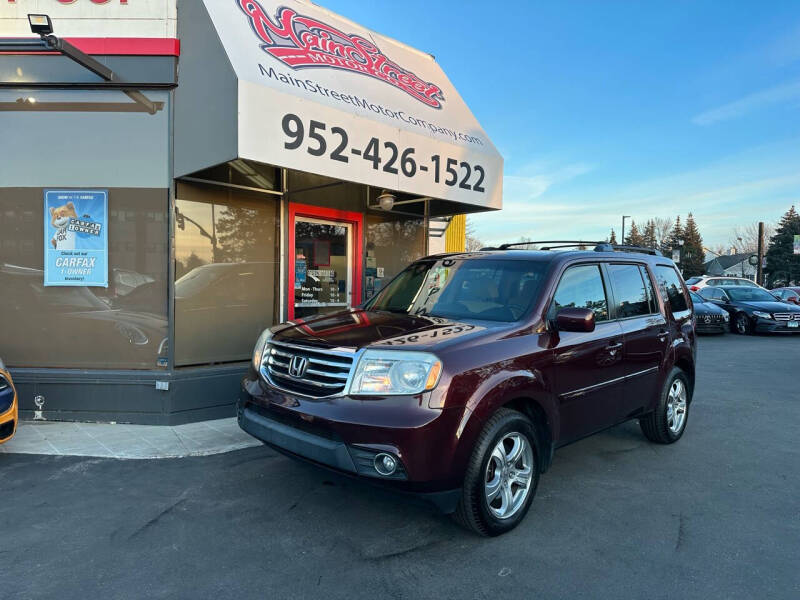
pixel 741 324
pixel 509 475
pixel 676 407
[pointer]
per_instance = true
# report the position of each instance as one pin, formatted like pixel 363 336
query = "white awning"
pixel 319 93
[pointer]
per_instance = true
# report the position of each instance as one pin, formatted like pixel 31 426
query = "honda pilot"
pixel 462 376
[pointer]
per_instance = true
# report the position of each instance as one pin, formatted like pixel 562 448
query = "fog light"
pixel 385 464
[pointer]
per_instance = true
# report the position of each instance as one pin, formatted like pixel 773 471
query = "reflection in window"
pixel 122 326
pixel 582 287
pixel 629 291
pixel 393 243
pixel 670 284
pixel 226 272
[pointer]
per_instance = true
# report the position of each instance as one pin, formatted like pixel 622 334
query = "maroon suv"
pixel 462 376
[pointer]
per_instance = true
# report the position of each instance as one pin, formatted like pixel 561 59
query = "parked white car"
pixel 698 283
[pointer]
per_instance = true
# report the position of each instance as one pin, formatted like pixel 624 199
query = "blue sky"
pixel 608 108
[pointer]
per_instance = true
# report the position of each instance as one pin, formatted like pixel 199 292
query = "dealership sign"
pixel 321 94
pixel 301 42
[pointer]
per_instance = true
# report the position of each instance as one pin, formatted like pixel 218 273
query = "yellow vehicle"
pixel 8 405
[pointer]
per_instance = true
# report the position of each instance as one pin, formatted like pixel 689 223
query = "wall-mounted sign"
pixel 76 238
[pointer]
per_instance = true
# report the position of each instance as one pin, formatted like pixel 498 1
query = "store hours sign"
pixel 76 238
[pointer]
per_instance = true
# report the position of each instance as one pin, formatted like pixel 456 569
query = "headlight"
pixel 726 317
pixel 763 315
pixel 258 351
pixel 385 372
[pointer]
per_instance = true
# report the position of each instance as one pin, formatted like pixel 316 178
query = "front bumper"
pixel 772 326
pixel 9 416
pixel 345 434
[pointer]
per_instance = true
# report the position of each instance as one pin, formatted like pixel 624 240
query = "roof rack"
pixel 596 246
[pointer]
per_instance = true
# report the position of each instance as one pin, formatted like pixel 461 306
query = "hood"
pixel 708 308
pixel 358 328
pixel 768 306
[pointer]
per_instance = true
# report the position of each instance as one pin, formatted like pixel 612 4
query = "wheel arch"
pixel 519 391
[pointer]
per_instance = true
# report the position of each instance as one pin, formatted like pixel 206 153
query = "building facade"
pixel 245 163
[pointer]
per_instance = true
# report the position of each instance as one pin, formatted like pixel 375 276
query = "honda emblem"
pixel 298 366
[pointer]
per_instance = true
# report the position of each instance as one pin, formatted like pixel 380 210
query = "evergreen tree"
pixel 692 254
pixel 783 266
pixel 676 235
pixel 613 238
pixel 674 239
pixel 649 236
pixel 634 238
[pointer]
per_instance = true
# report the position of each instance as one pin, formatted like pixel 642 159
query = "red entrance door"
pixel 325 260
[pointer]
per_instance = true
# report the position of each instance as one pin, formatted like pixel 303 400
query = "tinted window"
pixel 669 283
pixel 581 287
pixel 750 295
pixel 708 293
pixel 630 294
pixel 651 292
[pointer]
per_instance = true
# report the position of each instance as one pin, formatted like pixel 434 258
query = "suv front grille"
pixel 322 373
pixel 787 316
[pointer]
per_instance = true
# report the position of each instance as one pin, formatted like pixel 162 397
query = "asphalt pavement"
pixel 716 515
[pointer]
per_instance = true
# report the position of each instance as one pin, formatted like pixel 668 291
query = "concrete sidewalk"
pixel 108 440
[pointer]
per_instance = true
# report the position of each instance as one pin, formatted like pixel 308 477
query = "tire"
pixel 741 324
pixel 475 511
pixel 660 426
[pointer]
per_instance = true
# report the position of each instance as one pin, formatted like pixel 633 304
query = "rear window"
pixel 669 283
pixel 693 280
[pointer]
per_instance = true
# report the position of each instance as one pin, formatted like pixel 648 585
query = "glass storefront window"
pixel 122 326
pixel 226 272
pixel 392 243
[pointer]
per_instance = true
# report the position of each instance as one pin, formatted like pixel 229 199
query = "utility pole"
pixel 760 268
pixel 622 239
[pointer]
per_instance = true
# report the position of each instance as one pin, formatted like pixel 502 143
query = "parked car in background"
pixel 695 284
pixel 460 378
pixel 8 405
pixel 754 310
pixel 788 294
pixel 709 318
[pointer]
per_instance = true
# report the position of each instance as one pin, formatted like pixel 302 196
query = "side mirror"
pixel 575 319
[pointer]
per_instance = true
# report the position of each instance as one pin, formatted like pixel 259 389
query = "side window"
pixel 671 290
pixel 651 292
pixel 581 287
pixel 630 294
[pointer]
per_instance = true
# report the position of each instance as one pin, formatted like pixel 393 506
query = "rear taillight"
pixel 694 288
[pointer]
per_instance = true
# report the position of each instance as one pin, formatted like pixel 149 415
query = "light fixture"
pixel 40 24
pixel 385 464
pixel 386 200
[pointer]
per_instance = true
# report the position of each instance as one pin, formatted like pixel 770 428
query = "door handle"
pixel 614 346
pixel 663 335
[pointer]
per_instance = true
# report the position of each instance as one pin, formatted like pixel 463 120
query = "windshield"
pixel 492 290
pixel 696 299
pixel 750 295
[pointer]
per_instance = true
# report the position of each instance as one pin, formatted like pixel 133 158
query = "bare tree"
pixel 663 227
pixel 745 239
pixel 471 241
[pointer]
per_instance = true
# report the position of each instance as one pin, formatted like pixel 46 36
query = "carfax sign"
pixel 76 238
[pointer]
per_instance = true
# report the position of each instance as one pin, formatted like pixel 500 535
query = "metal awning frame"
pixel 51 44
